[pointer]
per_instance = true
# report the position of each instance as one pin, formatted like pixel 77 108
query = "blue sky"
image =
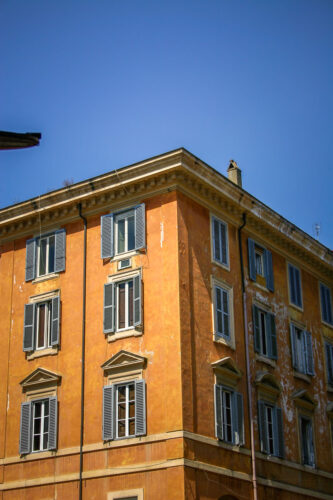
pixel 112 82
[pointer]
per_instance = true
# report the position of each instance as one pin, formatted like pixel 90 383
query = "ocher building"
pixel 138 312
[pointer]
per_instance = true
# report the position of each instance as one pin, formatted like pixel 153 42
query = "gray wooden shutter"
pixel 140 408
pixel 272 345
pixel 329 362
pixel 278 433
pixel 292 284
pixel 216 244
pixel 309 353
pixel 268 263
pixel 252 261
pixel 108 413
pixel 137 300
pixel 223 232
pixel 298 291
pixel 238 419
pixel 293 346
pixel 55 321
pixel 107 237
pixel 140 229
pixel 218 411
pixel 256 328
pixel 323 302
pixel 262 426
pixel 109 308
pixel 53 423
pixel 29 327
pixel 30 260
pixel 25 429
pixel 60 251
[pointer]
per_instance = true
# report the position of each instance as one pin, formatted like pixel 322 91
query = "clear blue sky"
pixel 112 82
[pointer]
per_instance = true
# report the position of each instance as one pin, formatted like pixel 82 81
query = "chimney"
pixel 235 173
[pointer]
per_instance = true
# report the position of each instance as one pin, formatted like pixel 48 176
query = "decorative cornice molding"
pixel 40 377
pixel 123 360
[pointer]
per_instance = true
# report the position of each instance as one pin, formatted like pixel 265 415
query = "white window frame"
pixel 127 419
pixel 47 263
pixel 226 264
pixel 125 494
pixel 258 250
pixel 47 326
pixel 321 284
pixel 299 307
pixel 117 217
pixel 228 340
pixel 127 305
pixel 41 433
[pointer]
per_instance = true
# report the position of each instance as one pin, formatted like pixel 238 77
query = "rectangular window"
pixel 220 241
pixel 41 324
pixel 45 255
pixel 295 292
pixel 229 415
pixel 221 312
pixel 124 232
pixel 326 304
pixel 301 347
pixel 38 430
pixel 259 260
pixel 306 440
pixel 125 413
pixel 264 333
pixel 271 429
pixel 329 362
pixel 40 425
pixel 260 263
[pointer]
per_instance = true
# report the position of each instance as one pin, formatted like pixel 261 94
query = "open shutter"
pixel 309 353
pixel 218 411
pixel 109 308
pixel 256 328
pixel 29 327
pixel 25 429
pixel 140 408
pixel 278 433
pixel 293 346
pixel 55 321
pixel 30 260
pixel 262 426
pixel 238 418
pixel 270 325
pixel 108 413
pixel 298 292
pixel 107 244
pixel 137 300
pixel 60 251
pixel 268 263
pixel 252 261
pixel 329 362
pixel 140 229
pixel 53 423
pixel 216 240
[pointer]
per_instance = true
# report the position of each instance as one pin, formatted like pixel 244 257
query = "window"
pixel 38 425
pixel 45 255
pixel 271 429
pixel 136 494
pixel 306 441
pixel 295 292
pixel 220 241
pixel 329 362
pixel 264 333
pixel 326 304
pixel 301 350
pixel 260 263
pixel 41 324
pixel 229 415
pixel 124 410
pixel 221 312
pixel 123 232
pixel 122 304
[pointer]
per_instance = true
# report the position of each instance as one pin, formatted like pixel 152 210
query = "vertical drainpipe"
pixel 247 355
pixel 83 344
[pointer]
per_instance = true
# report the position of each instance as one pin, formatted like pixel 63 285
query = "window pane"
pixel 36 445
pixel 121 411
pixel 121 305
pixel 131 427
pixel 121 236
pixel 132 410
pixel 45 441
pixel 130 303
pixel 122 393
pixel 130 233
pixel 131 391
pixel 121 429
pixel 37 422
pixel 41 311
pixel 42 256
pixel 51 254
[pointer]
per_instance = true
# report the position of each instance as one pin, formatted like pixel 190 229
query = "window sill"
pixel 51 351
pixel 302 376
pixel 329 325
pixel 297 308
pixel 125 255
pixel 133 332
pixel 260 286
pixel 226 267
pixel 264 359
pixel 46 277
pixel 229 343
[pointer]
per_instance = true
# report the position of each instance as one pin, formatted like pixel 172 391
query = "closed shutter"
pixel 218 411
pixel 25 429
pixel 216 240
pixel 298 292
pixel 309 353
pixel 268 263
pixel 323 302
pixel 252 261
pixel 55 321
pixel 223 230
pixel 137 300
pixel 53 423
pixel 30 260
pixel 329 362
pixel 270 322
pixel 239 420
pixel 278 432
pixel 140 230
pixel 109 308
pixel 293 346
pixel 262 426
pixel 256 328
pixel 60 251
pixel 108 413
pixel 140 408
pixel 107 243
pixel 29 327
pixel 294 295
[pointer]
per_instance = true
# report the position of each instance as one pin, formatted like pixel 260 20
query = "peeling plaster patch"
pixel 20 288
pixel 261 297
pixel 162 233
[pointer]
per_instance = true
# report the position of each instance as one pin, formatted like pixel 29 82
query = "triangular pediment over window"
pixel 226 371
pixel 124 361
pixel 267 385
pixel 304 399
pixel 40 378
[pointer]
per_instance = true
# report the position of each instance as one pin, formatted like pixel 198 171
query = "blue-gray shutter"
pixel 329 362
pixel 293 346
pixel 25 429
pixel 55 321
pixel 252 260
pixel 298 291
pixel 29 327
pixel 30 260
pixel 108 413
pixel 323 302
pixel 256 328
pixel 268 263
pixel 140 229
pixel 262 426
pixel 140 408
pixel 238 418
pixel 60 251
pixel 309 353
pixel 278 433
pixel 215 237
pixel 109 308
pixel 53 423
pixel 107 238
pixel 137 300
pixel 218 411
pixel 270 325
